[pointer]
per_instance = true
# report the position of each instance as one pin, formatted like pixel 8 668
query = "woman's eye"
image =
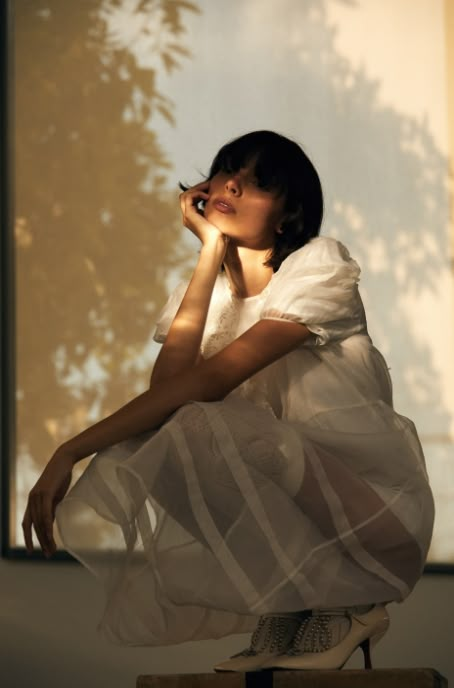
pixel 260 185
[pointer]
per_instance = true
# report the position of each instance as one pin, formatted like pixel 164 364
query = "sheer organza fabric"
pixel 303 488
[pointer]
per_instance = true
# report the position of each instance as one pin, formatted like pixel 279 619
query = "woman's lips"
pixel 223 206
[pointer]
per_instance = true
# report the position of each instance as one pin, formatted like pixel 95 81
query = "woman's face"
pixel 243 211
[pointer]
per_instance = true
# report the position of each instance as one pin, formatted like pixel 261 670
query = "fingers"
pixel 34 502
pixel 189 201
pixel 39 514
pixel 48 524
pixel 27 530
pixel 199 191
pixel 201 185
pixel 194 218
pixel 190 198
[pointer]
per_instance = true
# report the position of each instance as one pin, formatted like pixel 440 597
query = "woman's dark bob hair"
pixel 280 165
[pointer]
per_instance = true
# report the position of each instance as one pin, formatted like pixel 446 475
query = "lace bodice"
pixel 316 285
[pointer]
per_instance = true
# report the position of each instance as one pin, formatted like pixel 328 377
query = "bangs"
pixel 270 162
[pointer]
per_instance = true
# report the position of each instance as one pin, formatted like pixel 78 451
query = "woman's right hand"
pixel 43 499
pixel 194 219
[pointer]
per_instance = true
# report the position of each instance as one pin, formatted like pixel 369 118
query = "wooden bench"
pixel 375 678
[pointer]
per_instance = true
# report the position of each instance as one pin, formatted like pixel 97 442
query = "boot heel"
pixel 367 645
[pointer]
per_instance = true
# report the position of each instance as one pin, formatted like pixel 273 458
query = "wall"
pixel 48 615
pixel 363 86
pixel 346 88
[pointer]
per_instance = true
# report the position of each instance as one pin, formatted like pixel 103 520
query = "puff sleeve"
pixel 317 286
pixel 168 312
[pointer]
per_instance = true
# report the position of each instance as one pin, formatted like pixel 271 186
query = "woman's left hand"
pixel 194 219
pixel 49 490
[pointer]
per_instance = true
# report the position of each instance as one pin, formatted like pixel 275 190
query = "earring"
pixel 279 230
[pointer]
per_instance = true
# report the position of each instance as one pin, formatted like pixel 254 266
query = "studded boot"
pixel 273 635
pixel 328 637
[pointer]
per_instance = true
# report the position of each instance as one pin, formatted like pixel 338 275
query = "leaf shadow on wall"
pixel 399 232
pixel 97 232
pixel 99 205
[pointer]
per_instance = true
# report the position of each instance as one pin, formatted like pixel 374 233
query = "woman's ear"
pixel 280 227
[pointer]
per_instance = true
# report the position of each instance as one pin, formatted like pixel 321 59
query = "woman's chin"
pixel 222 222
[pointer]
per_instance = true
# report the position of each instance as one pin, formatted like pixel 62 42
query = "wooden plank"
pixel 224 680
pixel 376 678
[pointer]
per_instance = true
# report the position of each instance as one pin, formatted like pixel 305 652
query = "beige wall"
pixel 99 240
pixel 449 42
pixel 48 612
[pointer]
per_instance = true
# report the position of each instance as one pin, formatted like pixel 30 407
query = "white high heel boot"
pixel 273 635
pixel 327 638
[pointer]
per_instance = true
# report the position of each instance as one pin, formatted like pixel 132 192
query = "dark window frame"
pixel 7 290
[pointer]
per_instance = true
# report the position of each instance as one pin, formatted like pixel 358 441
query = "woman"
pixel 264 473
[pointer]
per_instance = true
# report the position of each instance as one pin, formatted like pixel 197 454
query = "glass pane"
pixel 98 234
pixel 118 100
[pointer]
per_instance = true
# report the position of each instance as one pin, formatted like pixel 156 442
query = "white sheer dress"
pixel 303 488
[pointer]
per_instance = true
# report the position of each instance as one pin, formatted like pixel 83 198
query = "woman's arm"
pixel 181 349
pixel 211 380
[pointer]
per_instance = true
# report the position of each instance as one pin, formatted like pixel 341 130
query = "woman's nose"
pixel 233 185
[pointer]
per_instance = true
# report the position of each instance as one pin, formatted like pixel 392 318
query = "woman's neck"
pixel 247 274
